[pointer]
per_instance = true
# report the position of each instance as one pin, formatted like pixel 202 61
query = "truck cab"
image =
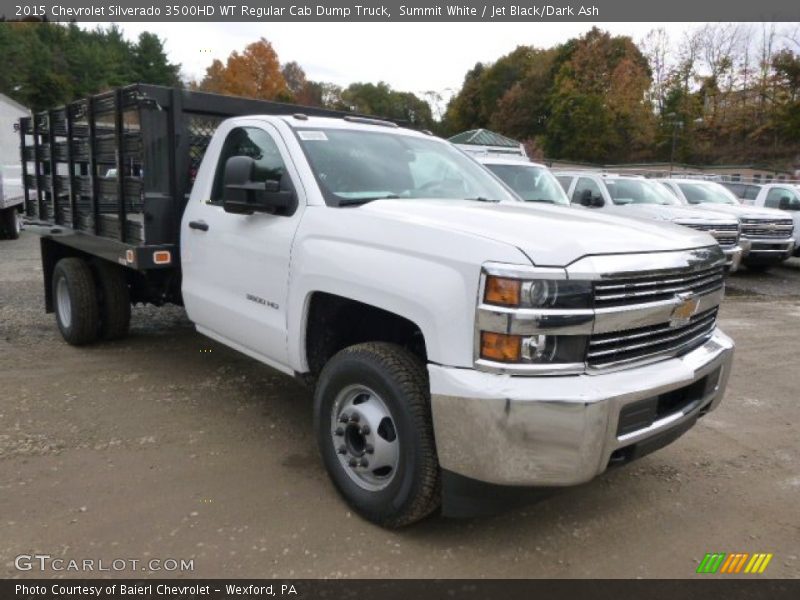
pixel 456 340
pixel 768 234
pixel 641 198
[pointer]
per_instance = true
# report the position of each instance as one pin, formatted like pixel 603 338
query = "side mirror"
pixel 244 196
pixel 785 203
pixel 586 199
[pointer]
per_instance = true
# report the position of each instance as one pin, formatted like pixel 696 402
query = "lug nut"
pixel 353 463
pixel 341 449
pixel 364 430
pixel 369 449
pixel 344 418
pixel 339 431
pixel 364 462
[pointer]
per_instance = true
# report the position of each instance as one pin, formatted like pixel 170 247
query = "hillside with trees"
pixel 723 93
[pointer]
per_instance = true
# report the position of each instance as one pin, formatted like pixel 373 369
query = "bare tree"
pixel 656 48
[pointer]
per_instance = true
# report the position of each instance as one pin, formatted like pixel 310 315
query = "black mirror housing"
pixel 244 196
pixel 586 199
pixel 785 203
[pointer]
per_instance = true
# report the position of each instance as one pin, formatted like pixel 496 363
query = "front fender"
pixel 423 274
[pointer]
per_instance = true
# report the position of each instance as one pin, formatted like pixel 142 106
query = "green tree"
pixel 150 64
pixel 381 100
pixel 598 107
pixel 48 64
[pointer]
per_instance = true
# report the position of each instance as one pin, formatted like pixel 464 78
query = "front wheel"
pixel 373 424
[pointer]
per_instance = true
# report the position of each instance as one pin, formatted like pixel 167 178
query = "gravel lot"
pixel 168 445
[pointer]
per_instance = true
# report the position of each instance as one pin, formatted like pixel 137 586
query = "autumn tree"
pixel 484 87
pixel 254 73
pixel 523 111
pixel 598 107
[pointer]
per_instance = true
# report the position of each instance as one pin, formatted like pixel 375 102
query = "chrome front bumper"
pixel 733 258
pixel 767 249
pixel 562 430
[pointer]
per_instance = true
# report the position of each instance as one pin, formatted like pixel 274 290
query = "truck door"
pixel 236 266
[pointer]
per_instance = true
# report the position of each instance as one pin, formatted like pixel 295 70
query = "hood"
pixel 667 212
pixel 548 235
pixel 745 211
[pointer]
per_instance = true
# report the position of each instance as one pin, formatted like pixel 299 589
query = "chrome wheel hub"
pixel 63 304
pixel 364 437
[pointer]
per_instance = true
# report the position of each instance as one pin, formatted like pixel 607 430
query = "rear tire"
pixel 9 224
pixel 384 387
pixel 75 301
pixel 114 301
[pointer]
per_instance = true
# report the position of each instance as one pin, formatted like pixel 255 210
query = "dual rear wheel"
pixel 91 301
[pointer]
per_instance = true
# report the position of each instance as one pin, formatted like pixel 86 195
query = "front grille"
pixel 726 235
pixel 775 229
pixel 608 349
pixel 652 288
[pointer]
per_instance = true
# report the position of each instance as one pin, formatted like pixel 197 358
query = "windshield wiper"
pixel 482 199
pixel 545 200
pixel 360 201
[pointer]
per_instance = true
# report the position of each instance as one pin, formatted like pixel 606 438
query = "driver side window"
pixel 774 196
pixel 254 143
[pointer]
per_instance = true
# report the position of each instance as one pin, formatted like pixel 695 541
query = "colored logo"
pixel 685 309
pixel 735 562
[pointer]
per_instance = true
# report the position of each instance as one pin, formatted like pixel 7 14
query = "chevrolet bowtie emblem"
pixel 684 310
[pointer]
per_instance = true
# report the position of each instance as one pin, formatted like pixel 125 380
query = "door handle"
pixel 201 225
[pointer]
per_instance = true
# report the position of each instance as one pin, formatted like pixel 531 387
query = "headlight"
pixel 537 293
pixel 533 320
pixel 532 349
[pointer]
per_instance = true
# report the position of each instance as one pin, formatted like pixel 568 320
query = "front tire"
pixel 374 429
pixel 75 301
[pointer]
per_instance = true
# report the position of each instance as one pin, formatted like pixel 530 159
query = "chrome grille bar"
pixel 639 344
pixel 631 291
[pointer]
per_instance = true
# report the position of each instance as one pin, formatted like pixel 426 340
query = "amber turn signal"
pixel 502 291
pixel 501 347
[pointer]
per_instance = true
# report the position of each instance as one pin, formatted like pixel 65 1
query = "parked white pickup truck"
pixel 638 197
pixel 767 234
pixel 457 339
pixel 782 196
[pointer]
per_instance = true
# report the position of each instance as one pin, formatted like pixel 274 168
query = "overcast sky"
pixel 414 57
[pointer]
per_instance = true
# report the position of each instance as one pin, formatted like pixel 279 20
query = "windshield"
pixel 701 193
pixel 638 191
pixel 532 183
pixel 356 166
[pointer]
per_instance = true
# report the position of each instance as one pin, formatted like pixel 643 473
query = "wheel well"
pixel 334 323
pixel 53 252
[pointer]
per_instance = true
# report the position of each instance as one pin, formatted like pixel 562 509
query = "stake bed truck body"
pixel 457 338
